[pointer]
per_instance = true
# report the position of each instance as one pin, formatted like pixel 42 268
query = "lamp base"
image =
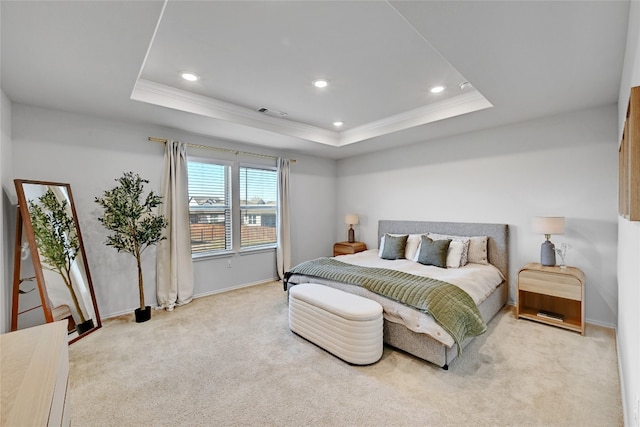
pixel 352 236
pixel 548 254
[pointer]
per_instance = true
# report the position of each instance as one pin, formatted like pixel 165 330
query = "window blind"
pixel 258 207
pixel 210 207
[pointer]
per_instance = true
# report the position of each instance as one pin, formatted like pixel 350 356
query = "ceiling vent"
pixel 271 112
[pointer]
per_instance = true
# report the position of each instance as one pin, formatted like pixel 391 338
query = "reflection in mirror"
pixel 49 250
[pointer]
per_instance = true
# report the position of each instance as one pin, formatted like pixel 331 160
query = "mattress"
pixel 478 280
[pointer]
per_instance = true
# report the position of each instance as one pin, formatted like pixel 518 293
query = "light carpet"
pixel 230 360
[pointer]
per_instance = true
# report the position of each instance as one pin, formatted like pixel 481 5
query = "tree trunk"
pixel 140 284
pixel 67 281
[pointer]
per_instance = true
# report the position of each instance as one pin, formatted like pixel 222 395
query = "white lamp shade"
pixel 548 224
pixel 351 219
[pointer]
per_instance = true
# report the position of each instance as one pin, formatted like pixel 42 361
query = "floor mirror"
pixel 51 279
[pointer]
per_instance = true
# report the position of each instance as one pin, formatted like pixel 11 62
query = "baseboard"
pixel 233 288
pixel 217 291
pixel 122 313
pixel 598 323
pixel 626 421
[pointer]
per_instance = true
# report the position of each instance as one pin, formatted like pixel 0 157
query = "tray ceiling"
pixel 122 60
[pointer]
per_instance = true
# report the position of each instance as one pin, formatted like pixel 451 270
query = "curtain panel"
pixel 174 267
pixel 283 249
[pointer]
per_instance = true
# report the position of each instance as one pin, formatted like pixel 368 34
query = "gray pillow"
pixel 433 252
pixel 394 246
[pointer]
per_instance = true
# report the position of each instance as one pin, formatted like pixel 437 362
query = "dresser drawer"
pixel 557 285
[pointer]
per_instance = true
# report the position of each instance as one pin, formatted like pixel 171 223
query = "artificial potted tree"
pixel 58 244
pixel 129 216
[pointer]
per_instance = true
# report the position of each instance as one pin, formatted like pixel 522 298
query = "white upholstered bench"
pixel 346 325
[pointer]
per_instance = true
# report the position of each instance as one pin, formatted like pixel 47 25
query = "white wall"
pixel 90 153
pixel 562 165
pixel 629 248
pixel 8 198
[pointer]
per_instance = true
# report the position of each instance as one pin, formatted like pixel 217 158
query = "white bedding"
pixel 478 280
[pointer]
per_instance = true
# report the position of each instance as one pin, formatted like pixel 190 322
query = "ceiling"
pixel 122 60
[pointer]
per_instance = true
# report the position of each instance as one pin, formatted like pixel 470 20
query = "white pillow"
pixel 454 254
pixel 413 243
pixel 464 239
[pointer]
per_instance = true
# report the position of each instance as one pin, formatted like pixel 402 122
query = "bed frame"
pixel 421 345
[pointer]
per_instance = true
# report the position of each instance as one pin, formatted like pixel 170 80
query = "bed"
pixel 413 330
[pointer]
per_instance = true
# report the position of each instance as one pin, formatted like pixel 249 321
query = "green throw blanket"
pixel 449 305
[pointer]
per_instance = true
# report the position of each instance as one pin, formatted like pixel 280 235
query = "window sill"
pixel 249 251
pixel 227 254
pixel 205 257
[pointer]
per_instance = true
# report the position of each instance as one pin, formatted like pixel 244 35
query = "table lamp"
pixel 350 220
pixel 548 225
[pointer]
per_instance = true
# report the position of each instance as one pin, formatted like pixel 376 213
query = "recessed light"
pixel 337 124
pixel 437 89
pixel 320 83
pixel 465 85
pixel 190 76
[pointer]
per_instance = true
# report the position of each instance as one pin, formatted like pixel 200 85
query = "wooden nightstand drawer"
pixel 346 248
pixel 556 285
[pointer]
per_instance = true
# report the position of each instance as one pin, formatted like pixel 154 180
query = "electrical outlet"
pixel 229 264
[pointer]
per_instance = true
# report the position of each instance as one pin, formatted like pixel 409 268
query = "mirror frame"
pixel 24 224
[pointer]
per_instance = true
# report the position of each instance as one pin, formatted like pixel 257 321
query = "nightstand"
pixel 346 248
pixel 552 295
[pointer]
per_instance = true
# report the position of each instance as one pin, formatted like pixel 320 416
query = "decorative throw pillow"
pixel 413 243
pixel 463 239
pixel 394 246
pixel 433 252
pixel 410 250
pixel 381 246
pixel 454 254
pixel 478 250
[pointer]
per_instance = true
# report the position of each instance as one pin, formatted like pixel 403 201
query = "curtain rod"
pixel 228 150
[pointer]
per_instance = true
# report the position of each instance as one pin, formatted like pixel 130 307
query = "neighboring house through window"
pixel 210 207
pixel 258 206
pixel 215 187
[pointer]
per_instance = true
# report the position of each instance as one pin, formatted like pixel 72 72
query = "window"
pixel 258 207
pixel 210 207
pixel 227 199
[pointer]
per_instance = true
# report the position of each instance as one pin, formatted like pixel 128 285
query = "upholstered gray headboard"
pixel 498 243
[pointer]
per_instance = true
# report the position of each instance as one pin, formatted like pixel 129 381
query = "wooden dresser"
pixel 35 376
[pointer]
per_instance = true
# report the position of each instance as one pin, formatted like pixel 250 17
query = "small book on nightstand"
pixel 551 315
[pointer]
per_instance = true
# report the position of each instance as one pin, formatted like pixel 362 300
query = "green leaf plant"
pixel 56 238
pixel 129 216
